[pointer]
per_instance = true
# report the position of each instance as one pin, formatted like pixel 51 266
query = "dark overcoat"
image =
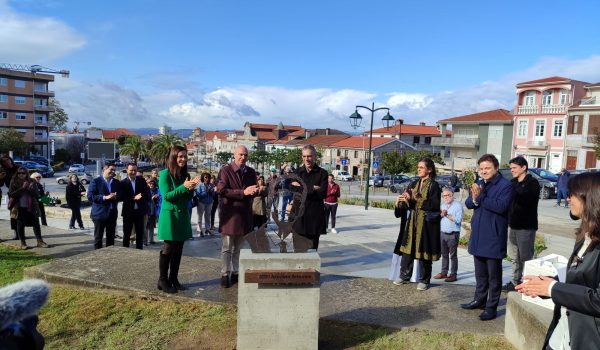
pixel 313 223
pixel 489 225
pixel 429 245
pixel 174 223
pixel 580 295
pixel 101 208
pixel 235 208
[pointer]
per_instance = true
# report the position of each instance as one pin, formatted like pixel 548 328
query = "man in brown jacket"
pixel 236 188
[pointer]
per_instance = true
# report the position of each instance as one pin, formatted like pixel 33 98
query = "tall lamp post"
pixel 355 121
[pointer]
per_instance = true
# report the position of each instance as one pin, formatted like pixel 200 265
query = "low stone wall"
pixel 58 212
pixel 526 324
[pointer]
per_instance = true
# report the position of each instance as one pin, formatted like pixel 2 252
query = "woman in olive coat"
pixel 174 225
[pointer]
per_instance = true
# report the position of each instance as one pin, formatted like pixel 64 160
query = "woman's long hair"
pixel 174 169
pixel 17 182
pixel 586 187
pixel 430 165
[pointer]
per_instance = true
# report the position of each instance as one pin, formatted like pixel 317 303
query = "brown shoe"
pixel 440 276
pixel 42 244
pixel 451 278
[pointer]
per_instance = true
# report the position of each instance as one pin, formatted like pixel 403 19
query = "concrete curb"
pixel 526 323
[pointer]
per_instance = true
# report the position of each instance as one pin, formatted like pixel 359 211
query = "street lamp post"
pixel 355 121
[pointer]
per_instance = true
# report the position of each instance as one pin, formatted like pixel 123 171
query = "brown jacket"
pixel 235 209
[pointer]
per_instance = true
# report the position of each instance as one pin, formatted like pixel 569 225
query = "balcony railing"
pixel 546 109
pixel 456 141
pixel 540 144
pixel 588 101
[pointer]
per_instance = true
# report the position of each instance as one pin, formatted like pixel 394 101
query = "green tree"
pixel 259 157
pixel 61 155
pixel 412 159
pixel 597 146
pixel 394 163
pixel 294 156
pixel 224 157
pixel 12 140
pixel 59 118
pixel 161 146
pixel 278 157
pixel 133 147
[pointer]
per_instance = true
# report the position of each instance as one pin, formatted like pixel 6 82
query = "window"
pixel 3 98
pixel 529 99
pixel 346 153
pixel 19 83
pixel 339 153
pixel 20 116
pixel 3 82
pixel 40 118
pixel 522 128
pixel 41 102
pixel 563 98
pixel 39 134
pixel 575 124
pixel 3 115
pixel 428 140
pixel 355 154
pixel 540 125
pixel 41 87
pixel 20 100
pixel 416 139
pixel 547 98
pixel 557 129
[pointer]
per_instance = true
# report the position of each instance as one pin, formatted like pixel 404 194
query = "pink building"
pixel 540 122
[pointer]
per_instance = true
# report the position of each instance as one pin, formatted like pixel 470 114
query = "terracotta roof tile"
pixel 321 140
pixel 554 79
pixel 362 141
pixel 274 126
pixel 265 135
pixel 114 134
pixel 493 115
pixel 408 129
pixel 222 135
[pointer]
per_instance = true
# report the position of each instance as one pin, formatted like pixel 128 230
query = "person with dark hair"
pixel 37 177
pixel 204 200
pixel 135 197
pixel 174 223
pixel 153 209
pixel 73 193
pixel 562 187
pixel 25 210
pixel 577 300
pixel 522 219
pixel 490 200
pixel 103 193
pixel 10 169
pixel 331 198
pixel 259 204
pixel 419 236
pixel 237 188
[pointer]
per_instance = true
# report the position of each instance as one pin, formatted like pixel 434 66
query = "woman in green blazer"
pixel 174 224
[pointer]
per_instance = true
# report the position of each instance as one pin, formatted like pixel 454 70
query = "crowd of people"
pixel 504 222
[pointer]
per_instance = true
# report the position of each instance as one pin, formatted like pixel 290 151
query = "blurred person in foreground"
pixel 577 299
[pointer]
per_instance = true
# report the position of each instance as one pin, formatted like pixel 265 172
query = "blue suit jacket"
pixel 489 225
pixel 101 209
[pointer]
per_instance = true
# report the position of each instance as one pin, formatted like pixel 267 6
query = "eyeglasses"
pixel 446 195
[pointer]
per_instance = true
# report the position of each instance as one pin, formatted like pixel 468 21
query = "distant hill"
pixel 183 133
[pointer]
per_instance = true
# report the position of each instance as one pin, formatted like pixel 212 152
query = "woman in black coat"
pixel 73 194
pixel 577 299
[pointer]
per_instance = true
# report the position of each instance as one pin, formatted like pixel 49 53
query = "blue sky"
pixel 216 64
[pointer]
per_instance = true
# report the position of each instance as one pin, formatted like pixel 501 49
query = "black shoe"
pixel 487 315
pixel 81 228
pixel 178 285
pixel 234 278
pixel 225 281
pixel 166 286
pixel 474 304
pixel 509 287
pixel 71 227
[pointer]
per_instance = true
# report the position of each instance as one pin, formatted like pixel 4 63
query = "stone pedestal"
pixel 272 316
pixel 526 324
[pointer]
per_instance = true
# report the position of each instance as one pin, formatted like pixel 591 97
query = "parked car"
pixel 341 175
pixel 376 180
pixel 45 170
pixel 393 179
pixel 400 184
pixel 77 168
pixel 38 159
pixel 546 174
pixel 83 178
pixel 444 181
pixel 547 187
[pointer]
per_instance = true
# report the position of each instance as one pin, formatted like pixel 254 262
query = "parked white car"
pixel 77 168
pixel 341 175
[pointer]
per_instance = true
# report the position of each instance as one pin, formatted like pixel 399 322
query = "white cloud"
pixel 28 39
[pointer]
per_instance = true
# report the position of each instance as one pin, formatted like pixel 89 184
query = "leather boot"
pixel 174 271
pixel 163 267
pixel 41 243
pixel 23 244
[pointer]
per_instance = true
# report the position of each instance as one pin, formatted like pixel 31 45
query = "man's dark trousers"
pixel 110 225
pixel 135 218
pixel 488 274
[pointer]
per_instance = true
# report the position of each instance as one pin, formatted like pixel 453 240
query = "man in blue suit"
pixel 103 193
pixel 490 199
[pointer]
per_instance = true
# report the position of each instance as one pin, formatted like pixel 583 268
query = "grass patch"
pixel 384 204
pixel 13 261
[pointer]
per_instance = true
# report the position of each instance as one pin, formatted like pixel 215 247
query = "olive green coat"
pixel 174 223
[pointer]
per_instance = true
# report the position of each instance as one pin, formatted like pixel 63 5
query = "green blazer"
pixel 174 222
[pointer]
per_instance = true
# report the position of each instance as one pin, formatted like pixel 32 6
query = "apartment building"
pixel 583 126
pixel 541 120
pixel 419 136
pixel 24 106
pixel 474 135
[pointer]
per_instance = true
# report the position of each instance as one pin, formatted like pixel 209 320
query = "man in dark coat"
pixel 523 219
pixel 236 188
pixel 135 196
pixel 313 222
pixel 103 193
pixel 562 190
pixel 490 198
